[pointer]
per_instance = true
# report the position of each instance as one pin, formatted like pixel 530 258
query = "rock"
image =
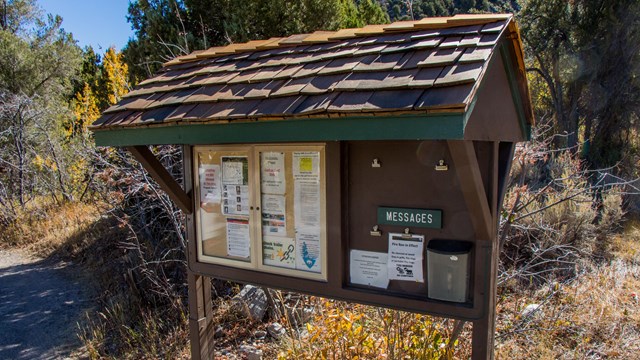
pixel 260 334
pixel 276 330
pixel 251 302
pixel 531 309
pixel 251 352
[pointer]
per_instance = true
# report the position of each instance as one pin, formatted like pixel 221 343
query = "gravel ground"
pixel 41 303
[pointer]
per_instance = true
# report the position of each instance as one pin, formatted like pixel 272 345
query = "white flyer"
pixel 235 200
pixel 235 170
pixel 406 257
pixel 274 215
pixel 209 228
pixel 306 204
pixel 306 165
pixel 209 183
pixel 368 268
pixel 272 177
pixel 308 250
pixel 238 240
pixel 279 251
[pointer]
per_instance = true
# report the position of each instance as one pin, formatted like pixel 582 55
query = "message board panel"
pixel 382 205
pixel 262 207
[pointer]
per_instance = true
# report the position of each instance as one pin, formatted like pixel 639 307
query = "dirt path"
pixel 41 302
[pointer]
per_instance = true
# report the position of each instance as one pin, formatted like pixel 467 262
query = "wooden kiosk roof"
pixel 405 80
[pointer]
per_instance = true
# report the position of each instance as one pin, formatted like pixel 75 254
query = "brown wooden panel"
pixel 407 178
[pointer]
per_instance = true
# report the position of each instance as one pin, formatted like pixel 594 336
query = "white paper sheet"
pixel 306 204
pixel 209 183
pixel 406 257
pixel 308 250
pixel 306 165
pixel 273 215
pixel 368 268
pixel 209 227
pixel 238 238
pixel 272 177
pixel 234 169
pixel 235 200
pixel 279 251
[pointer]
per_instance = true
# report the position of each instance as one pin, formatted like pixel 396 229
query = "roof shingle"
pixel 433 63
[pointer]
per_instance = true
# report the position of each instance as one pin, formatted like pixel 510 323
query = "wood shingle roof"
pixel 429 66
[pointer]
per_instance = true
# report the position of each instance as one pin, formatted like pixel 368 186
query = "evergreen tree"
pixel 167 28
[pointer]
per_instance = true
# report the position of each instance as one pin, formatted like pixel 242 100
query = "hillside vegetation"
pixel 568 283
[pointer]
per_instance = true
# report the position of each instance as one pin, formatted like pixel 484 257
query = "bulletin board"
pixel 367 212
pixel 262 208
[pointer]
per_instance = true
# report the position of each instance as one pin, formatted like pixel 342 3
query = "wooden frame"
pixel 481 169
pixel 252 153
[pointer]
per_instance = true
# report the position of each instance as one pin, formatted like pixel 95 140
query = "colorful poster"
pixel 306 204
pixel 238 239
pixel 306 165
pixel 308 250
pixel 274 215
pixel 279 251
pixel 368 268
pixel 235 200
pixel 235 170
pixel 272 177
pixel 209 183
pixel 406 257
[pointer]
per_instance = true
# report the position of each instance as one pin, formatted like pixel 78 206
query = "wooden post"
pixel 484 213
pixel 200 315
pixel 200 309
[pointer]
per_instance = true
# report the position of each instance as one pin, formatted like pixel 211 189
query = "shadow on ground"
pixel 41 303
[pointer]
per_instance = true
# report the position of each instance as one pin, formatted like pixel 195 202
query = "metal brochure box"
pixel 448 270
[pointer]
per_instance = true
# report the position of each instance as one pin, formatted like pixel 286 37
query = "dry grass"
pixel 596 316
pixel 44 228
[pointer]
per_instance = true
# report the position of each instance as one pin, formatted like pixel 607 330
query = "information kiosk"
pixel 365 165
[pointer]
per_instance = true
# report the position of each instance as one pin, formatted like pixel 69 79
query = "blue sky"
pixel 99 23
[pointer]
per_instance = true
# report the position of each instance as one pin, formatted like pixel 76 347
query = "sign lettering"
pixel 410 217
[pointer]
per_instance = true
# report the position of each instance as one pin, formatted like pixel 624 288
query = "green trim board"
pixel 515 91
pixel 409 127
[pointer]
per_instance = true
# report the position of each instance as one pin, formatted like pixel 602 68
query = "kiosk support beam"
pixel 162 177
pixel 200 315
pixel 466 165
pixel 484 212
pixel 200 310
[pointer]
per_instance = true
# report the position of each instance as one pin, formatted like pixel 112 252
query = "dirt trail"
pixel 41 302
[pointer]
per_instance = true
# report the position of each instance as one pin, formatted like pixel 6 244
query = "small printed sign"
pixel 410 217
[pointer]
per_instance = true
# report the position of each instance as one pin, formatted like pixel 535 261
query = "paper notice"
pixel 273 215
pixel 405 257
pixel 209 183
pixel 238 238
pixel 306 165
pixel 235 200
pixel 272 178
pixel 306 204
pixel 368 268
pixel 209 227
pixel 308 250
pixel 235 170
pixel 279 251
